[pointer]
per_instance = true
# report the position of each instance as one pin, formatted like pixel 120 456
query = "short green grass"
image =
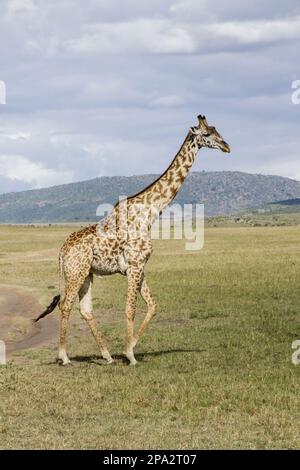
pixel 214 367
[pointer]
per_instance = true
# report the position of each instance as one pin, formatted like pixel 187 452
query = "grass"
pixel 257 218
pixel 214 367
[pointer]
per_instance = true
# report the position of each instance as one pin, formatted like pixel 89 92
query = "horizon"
pixel 142 175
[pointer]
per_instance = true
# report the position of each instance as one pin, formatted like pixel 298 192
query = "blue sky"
pixel 111 87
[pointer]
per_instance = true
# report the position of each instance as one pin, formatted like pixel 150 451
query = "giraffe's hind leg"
pixel 135 277
pixel 151 304
pixel 86 310
pixel 74 279
pixel 65 309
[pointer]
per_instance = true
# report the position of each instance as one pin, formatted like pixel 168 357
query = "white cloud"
pixel 153 36
pixel 64 139
pixel 17 167
pixel 18 136
pixel 20 7
pixel 121 157
pixel 254 32
pixel 147 36
pixel 289 167
pixel 169 101
pixel 189 7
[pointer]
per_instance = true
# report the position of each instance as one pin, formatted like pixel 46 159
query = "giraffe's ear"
pixel 194 130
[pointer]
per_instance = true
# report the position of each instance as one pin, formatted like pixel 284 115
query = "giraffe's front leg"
pixel 135 278
pixel 86 310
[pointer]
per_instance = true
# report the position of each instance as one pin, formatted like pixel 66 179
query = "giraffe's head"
pixel 207 136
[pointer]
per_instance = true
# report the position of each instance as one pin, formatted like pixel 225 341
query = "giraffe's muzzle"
pixel 225 147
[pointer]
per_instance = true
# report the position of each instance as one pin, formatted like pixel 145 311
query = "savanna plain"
pixel 214 367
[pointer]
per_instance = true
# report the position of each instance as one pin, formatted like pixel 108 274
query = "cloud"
pixel 17 167
pixel 169 101
pixel 19 8
pixel 289 168
pixel 17 136
pixel 256 32
pixel 101 89
pixel 122 157
pixel 153 36
pixel 190 8
pixel 139 36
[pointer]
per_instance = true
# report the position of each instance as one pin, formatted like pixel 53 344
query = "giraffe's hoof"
pixel 67 364
pixel 133 363
pixel 60 362
pixel 107 357
pixel 110 361
pixel 130 356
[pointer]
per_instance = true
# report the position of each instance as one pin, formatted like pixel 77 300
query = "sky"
pixel 111 87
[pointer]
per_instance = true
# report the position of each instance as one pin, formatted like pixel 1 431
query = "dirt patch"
pixel 17 309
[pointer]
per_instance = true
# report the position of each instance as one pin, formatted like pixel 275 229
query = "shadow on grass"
pixel 97 359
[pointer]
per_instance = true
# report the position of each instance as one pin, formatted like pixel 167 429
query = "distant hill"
pixel 287 206
pixel 288 202
pixel 222 193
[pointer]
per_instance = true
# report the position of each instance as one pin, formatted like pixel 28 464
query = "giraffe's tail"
pixel 49 309
pixel 56 298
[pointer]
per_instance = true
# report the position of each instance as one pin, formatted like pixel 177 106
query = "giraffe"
pixel 120 243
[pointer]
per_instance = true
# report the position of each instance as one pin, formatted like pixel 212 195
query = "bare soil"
pixel 17 310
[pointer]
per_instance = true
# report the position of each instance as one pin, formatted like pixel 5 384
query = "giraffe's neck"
pixel 161 193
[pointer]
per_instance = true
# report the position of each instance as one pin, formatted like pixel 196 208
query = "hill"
pixel 221 192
